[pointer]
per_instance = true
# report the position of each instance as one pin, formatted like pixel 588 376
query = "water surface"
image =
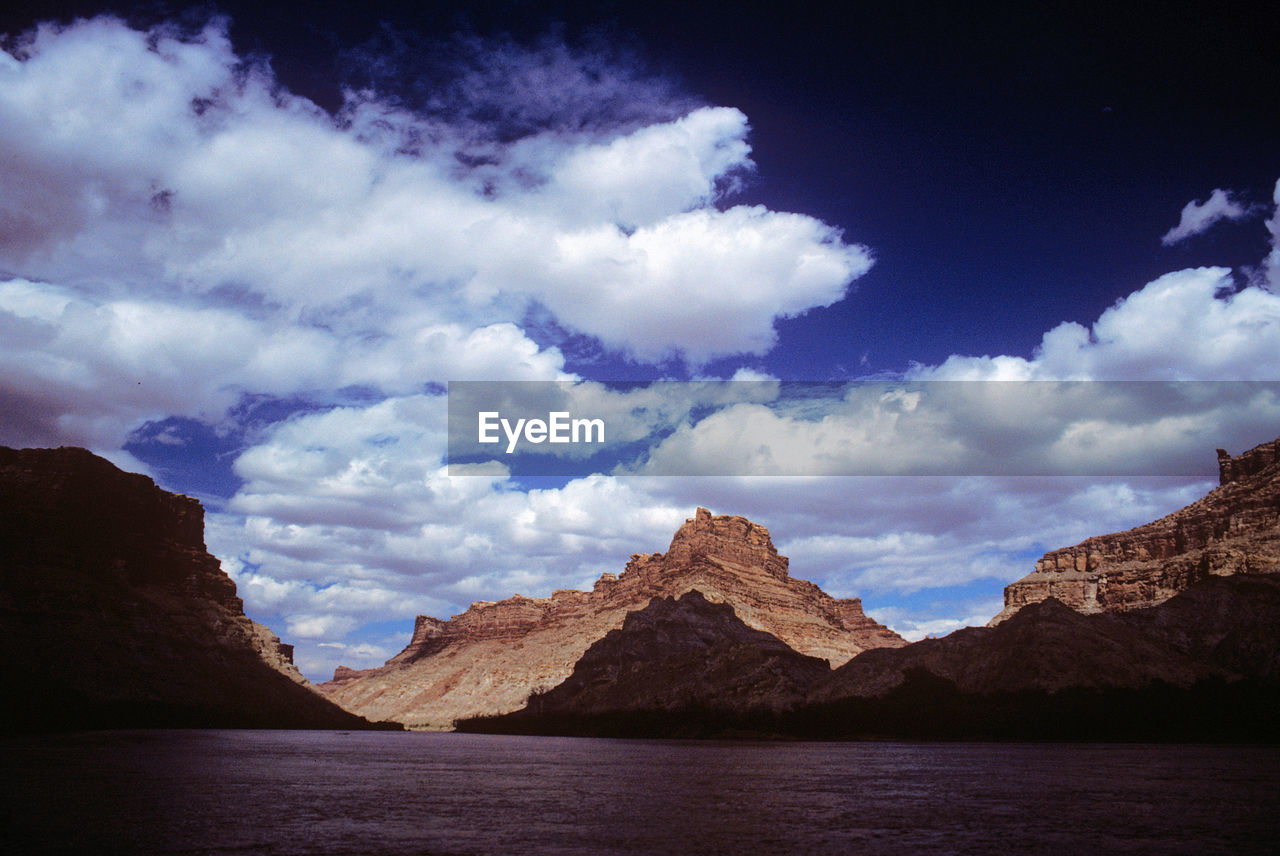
pixel 273 792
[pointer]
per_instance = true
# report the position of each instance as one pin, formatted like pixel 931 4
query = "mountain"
pixel 490 659
pixel 1218 627
pixel 1203 665
pixel 114 615
pixel 1234 529
pixel 681 663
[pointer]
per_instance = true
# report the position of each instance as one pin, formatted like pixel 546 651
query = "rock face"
pixel 1235 529
pixel 113 614
pixel 491 658
pixel 683 655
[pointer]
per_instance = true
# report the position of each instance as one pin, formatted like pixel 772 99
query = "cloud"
pixel 358 496
pixel 81 368
pixel 350 513
pixel 1192 324
pixel 888 538
pixel 941 427
pixel 495 90
pixel 161 178
pixel 914 625
pixel 1197 329
pixel 884 536
pixel 180 235
pixel 362 493
pixel 1271 266
pixel 703 284
pixel 1198 217
pixel 644 177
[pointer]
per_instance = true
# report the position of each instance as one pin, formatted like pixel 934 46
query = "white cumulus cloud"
pixel 161 182
pixel 1192 324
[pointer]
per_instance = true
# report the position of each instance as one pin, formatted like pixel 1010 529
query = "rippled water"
pixel 373 793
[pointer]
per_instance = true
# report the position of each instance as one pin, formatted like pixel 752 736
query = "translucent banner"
pixel 794 428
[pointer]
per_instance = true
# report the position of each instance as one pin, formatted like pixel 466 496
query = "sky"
pixel 244 248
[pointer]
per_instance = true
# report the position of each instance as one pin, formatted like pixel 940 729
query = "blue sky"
pixel 244 248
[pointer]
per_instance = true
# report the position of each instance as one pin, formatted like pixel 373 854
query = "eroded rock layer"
pixel 113 613
pixel 489 659
pixel 1234 529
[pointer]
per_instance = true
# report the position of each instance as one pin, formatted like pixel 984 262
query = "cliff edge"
pixel 1234 529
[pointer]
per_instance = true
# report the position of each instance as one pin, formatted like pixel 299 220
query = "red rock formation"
pixel 113 613
pixel 1234 529
pixel 489 659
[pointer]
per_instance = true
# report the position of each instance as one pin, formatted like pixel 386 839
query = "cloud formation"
pixel 180 235
pixel 1271 266
pixel 962 428
pixel 1198 217
pixel 177 232
pixel 1193 324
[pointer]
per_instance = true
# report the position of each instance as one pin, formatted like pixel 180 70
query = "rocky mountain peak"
pixel 728 538
pixel 76 510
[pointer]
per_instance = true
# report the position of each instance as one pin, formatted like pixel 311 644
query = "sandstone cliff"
pixel 113 614
pixel 1235 529
pixel 491 658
